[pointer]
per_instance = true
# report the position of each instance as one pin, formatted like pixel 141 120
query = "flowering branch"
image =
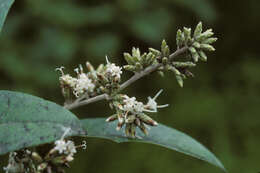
pixel 78 102
pixel 103 83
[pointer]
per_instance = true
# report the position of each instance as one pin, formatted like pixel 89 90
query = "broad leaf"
pixel 4 8
pixel 27 121
pixel 161 135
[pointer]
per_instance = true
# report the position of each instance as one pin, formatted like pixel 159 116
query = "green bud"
pixel 100 68
pixel 136 54
pixel 179 80
pixel 164 60
pixel 155 52
pixel 36 157
pixel 196 44
pixel 147 120
pixel 187 34
pixel 210 40
pixel 179 38
pixel 138 66
pixel 143 59
pixel 89 67
pixel 192 50
pixel 203 56
pixel 197 30
pixel 175 70
pixel 207 47
pixel 130 68
pixel 165 49
pixel 195 56
pixel 208 33
pixel 129 59
pixel 183 64
pixel 150 58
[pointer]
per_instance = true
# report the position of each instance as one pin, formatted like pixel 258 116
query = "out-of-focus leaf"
pixel 4 8
pixel 151 26
pixel 103 44
pixel 203 8
pixel 161 135
pixel 27 121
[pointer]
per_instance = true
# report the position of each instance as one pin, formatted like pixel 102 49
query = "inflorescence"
pixel 104 82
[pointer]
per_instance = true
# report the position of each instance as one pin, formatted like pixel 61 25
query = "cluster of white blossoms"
pixel 79 85
pixel 83 84
pixel 136 107
pixel 65 147
pixel 113 70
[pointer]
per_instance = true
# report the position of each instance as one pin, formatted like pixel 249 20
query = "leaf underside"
pixel 161 135
pixel 27 121
pixel 4 8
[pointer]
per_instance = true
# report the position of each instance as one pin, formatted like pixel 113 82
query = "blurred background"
pixel 219 107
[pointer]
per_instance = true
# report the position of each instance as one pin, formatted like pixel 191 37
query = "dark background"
pixel 219 108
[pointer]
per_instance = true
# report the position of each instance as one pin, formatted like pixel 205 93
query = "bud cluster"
pixel 104 79
pixel 131 113
pixel 58 158
pixel 196 45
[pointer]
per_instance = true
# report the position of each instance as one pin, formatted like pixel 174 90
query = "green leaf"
pixel 4 8
pixel 27 121
pixel 160 135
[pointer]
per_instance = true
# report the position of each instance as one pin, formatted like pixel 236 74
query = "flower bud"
pixel 165 49
pixel 155 52
pixel 203 56
pixel 179 38
pixel 146 119
pixel 207 47
pixel 89 67
pixel 198 30
pixel 130 68
pixel 129 59
pixel 210 40
pixel 179 80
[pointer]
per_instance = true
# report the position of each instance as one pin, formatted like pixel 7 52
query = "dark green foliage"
pixel 160 135
pixel 27 121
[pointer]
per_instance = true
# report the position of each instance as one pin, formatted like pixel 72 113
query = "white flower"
pixel 66 79
pixel 71 148
pixel 61 146
pixel 131 105
pixel 66 147
pixel 152 105
pixel 83 84
pixel 113 70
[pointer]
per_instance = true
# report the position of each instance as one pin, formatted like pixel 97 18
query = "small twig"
pixel 148 70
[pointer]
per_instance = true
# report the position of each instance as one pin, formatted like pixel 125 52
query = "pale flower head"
pixel 83 84
pixel 152 105
pixel 113 70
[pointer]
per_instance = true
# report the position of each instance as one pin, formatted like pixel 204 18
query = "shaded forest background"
pixel 219 107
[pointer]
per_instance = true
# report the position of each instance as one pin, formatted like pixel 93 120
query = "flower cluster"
pixel 105 79
pixel 131 113
pixel 54 161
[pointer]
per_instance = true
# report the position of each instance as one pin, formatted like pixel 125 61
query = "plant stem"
pixel 146 71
